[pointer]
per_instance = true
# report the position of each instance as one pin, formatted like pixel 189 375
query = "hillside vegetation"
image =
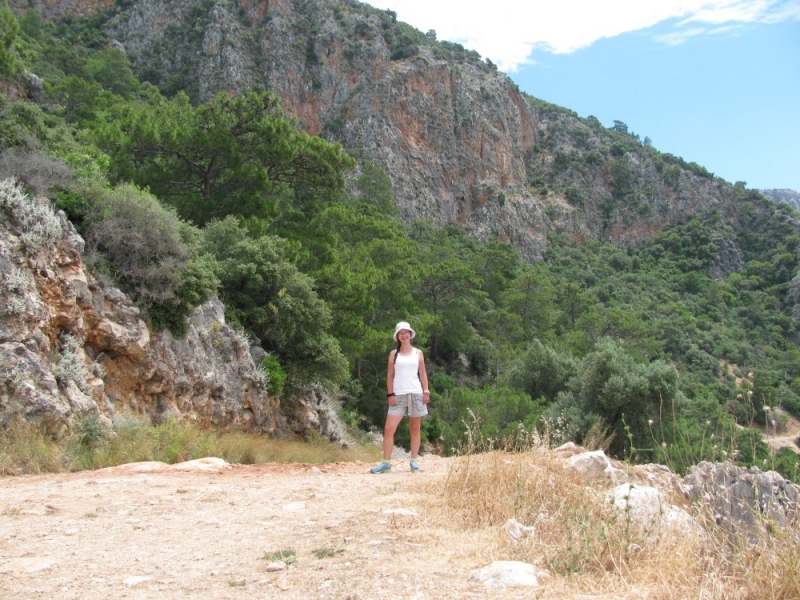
pixel 667 349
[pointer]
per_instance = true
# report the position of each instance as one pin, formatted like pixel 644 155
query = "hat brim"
pixel 413 333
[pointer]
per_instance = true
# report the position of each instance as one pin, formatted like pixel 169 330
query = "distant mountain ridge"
pixel 787 196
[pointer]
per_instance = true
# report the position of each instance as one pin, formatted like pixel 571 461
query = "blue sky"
pixel 715 82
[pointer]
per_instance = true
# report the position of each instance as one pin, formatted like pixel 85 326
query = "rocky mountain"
pixel 459 141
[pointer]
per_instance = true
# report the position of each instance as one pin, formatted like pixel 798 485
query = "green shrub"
pixel 269 297
pixel 433 427
pixel 787 463
pixel 405 41
pixel 751 449
pixel 574 195
pixel 110 68
pixel 609 385
pixel 276 375
pixel 141 241
pixel 199 282
pixel 623 182
pixel 9 28
pixel 542 371
pixel 31 23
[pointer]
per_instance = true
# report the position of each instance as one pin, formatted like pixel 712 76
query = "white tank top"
pixel 406 377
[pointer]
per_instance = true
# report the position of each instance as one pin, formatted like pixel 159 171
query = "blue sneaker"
pixel 414 465
pixel 381 468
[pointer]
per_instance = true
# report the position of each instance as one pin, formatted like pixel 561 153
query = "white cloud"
pixel 679 36
pixel 507 31
pixel 675 38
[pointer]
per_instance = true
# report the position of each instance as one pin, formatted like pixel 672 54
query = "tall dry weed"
pixel 747 564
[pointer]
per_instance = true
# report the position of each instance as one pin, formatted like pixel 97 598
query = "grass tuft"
pixel 287 556
pixel 327 552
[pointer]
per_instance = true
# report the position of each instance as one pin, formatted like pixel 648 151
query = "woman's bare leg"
pixel 415 425
pixel 392 421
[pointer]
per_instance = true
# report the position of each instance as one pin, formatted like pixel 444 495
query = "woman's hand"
pixel 426 396
pixel 392 400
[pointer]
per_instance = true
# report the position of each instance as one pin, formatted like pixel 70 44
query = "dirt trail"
pixel 152 531
pixel 785 438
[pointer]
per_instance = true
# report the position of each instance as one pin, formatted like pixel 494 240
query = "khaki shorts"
pixel 409 404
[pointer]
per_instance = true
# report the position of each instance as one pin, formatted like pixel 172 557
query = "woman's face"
pixel 404 334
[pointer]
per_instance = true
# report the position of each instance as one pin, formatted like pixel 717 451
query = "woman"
pixel 407 392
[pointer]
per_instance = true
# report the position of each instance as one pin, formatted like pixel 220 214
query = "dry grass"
pixel 575 530
pixel 585 544
pixel 247 448
pixel 28 448
pixel 744 567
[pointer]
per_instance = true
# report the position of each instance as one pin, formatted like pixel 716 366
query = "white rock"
pixel 593 464
pixel 132 580
pixel 202 464
pixel 570 448
pixel 506 573
pixel 642 502
pixel 27 564
pixel 146 467
pixel 647 506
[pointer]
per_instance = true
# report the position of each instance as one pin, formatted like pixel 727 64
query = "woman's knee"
pixel 391 426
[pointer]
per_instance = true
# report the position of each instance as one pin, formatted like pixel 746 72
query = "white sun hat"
pixel 403 325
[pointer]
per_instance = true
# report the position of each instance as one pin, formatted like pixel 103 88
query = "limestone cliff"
pixel 73 347
pixel 452 136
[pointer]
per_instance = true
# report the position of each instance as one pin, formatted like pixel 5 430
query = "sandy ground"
pixel 148 530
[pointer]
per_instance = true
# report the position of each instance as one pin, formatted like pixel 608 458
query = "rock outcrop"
pixel 74 347
pixel 748 500
pixel 736 499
